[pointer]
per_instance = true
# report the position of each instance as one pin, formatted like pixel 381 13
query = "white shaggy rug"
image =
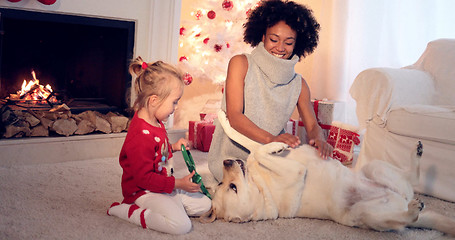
pixel 69 200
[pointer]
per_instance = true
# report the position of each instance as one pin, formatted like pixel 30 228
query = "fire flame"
pixel 33 90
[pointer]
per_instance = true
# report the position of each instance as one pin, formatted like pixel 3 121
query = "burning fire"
pixel 33 90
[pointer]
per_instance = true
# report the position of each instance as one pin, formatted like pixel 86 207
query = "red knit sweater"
pixel 140 157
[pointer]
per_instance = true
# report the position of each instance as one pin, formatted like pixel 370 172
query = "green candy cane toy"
pixel 192 167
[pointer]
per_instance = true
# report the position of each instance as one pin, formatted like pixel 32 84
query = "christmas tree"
pixel 212 36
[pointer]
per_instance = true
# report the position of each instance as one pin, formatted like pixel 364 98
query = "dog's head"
pixel 232 199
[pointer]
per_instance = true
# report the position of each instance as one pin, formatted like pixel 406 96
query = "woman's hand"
pixel 176 146
pixel 186 184
pixel 325 149
pixel 289 139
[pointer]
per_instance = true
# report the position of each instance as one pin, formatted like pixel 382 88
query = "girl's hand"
pixel 176 146
pixel 325 149
pixel 186 184
pixel 289 139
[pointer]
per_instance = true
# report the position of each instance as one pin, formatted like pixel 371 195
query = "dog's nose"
pixel 228 163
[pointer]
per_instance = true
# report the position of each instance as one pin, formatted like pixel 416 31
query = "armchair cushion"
pixel 424 122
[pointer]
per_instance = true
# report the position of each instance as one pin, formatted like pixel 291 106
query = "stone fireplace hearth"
pixel 59 149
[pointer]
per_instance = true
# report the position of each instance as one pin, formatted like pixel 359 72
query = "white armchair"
pixel 399 107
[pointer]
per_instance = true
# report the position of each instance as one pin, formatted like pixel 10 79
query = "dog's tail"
pixel 433 220
pixel 234 135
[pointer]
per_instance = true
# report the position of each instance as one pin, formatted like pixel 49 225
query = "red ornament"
pixel 206 40
pixel 187 78
pixel 183 58
pixel 248 12
pixel 211 14
pixel 47 2
pixel 227 5
pixel 182 31
pixel 14 0
pixel 228 45
pixel 198 14
pixel 217 47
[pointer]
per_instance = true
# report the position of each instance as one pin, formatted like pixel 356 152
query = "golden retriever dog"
pixel 278 181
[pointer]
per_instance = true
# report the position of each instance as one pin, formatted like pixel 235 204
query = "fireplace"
pixel 146 37
pixel 84 59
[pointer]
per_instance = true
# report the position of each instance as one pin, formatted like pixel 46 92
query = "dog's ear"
pixel 208 217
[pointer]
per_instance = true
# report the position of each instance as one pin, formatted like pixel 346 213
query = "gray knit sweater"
pixel 271 91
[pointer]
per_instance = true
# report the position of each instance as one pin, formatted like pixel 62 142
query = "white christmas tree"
pixel 212 37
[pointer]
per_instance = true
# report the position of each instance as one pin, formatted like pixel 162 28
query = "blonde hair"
pixel 152 79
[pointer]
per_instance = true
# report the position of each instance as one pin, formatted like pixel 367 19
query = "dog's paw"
pixel 419 204
pixel 276 147
pixel 416 204
pixel 414 208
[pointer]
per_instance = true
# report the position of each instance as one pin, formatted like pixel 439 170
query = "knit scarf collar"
pixel 277 70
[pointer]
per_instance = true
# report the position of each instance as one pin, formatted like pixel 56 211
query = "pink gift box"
pixel 200 133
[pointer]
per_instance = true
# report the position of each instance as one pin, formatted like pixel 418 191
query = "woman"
pixel 262 88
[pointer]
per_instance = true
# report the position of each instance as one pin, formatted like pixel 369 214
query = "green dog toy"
pixel 192 167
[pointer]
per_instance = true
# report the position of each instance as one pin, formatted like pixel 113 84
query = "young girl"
pixel 153 198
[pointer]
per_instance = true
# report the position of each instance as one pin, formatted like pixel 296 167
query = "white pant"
pixel 169 212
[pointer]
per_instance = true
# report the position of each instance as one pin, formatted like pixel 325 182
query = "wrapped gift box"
pixel 292 127
pixel 326 111
pixel 200 133
pixel 210 109
pixel 343 137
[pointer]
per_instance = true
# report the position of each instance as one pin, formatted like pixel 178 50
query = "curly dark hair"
pixel 298 17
